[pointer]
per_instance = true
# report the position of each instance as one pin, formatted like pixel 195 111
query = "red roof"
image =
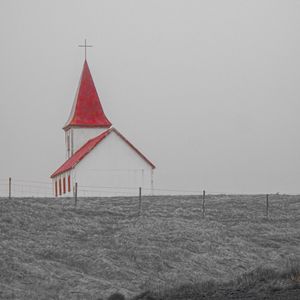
pixel 87 110
pixel 89 146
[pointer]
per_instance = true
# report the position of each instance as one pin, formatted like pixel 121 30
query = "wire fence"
pixel 15 188
pixel 25 188
pixel 192 201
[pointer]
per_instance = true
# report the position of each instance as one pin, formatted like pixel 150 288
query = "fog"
pixel 207 90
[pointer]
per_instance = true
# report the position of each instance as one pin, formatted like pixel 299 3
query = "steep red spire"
pixel 87 110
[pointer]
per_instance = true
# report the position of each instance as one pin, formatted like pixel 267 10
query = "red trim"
pixel 69 183
pixel 67 127
pixel 87 109
pixel 64 185
pixel 56 188
pixel 89 146
pixel 80 154
pixel 134 148
pixel 59 186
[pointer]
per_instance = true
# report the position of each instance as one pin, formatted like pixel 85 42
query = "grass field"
pixel 51 250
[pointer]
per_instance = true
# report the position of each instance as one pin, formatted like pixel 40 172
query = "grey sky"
pixel 208 90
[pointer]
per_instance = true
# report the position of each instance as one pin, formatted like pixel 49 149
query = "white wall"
pixel 114 168
pixel 79 136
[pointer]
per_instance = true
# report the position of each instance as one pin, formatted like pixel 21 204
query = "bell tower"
pixel 87 118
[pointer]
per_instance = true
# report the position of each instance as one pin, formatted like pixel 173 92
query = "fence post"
pixel 267 206
pixel 140 200
pixel 9 188
pixel 203 203
pixel 75 193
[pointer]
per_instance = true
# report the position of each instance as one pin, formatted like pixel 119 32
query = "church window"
pixel 55 188
pixel 59 186
pixel 68 144
pixel 69 183
pixel 64 185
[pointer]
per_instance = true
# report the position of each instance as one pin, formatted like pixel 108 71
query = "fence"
pixel 16 188
pixel 11 187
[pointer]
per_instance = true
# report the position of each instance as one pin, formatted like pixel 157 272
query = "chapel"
pixel 98 157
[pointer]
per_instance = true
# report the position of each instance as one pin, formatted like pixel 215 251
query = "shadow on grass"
pixel 261 283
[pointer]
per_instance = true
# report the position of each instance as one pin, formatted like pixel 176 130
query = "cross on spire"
pixel 85 46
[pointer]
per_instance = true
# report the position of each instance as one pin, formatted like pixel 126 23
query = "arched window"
pixel 64 185
pixel 59 186
pixel 69 183
pixel 68 144
pixel 55 188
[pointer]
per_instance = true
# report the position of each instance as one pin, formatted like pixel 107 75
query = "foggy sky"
pixel 208 90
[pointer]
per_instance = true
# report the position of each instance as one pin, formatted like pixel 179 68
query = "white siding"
pixel 79 136
pixel 114 168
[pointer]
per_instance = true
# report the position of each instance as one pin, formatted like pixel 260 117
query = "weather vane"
pixel 85 46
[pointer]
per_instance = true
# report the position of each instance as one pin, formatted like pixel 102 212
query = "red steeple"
pixel 87 110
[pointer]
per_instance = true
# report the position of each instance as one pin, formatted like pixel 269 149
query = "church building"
pixel 98 157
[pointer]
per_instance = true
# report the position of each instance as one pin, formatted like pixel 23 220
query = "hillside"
pixel 52 250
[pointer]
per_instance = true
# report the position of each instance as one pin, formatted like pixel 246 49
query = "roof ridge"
pixel 71 162
pixel 79 154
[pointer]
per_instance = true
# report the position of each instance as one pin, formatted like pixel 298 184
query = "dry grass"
pixel 50 250
pixel 260 283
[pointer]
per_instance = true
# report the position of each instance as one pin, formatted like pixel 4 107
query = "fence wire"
pixel 166 202
pixel 36 188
